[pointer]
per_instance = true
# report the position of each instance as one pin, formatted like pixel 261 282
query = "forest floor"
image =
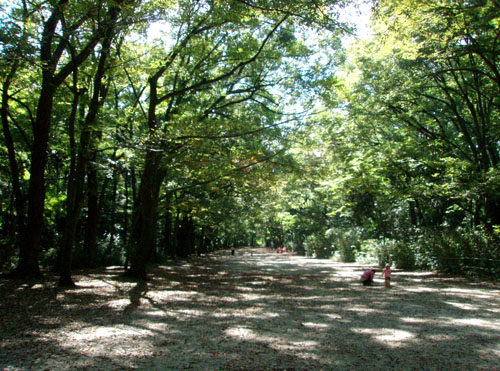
pixel 257 310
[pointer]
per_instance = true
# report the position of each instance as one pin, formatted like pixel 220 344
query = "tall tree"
pixel 210 63
pixel 78 170
pixel 63 23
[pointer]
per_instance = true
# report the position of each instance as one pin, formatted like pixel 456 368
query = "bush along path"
pixel 254 310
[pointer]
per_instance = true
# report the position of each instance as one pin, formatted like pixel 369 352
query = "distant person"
pixel 387 275
pixel 232 250
pixel 367 277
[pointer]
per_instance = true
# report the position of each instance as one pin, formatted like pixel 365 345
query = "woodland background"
pixel 248 122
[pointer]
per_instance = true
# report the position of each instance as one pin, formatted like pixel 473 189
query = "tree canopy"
pixel 135 131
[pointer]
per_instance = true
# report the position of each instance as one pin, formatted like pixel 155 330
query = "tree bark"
pixel 92 221
pixel 167 232
pixel 145 219
pixel 112 217
pixel 19 201
pixel 28 263
pixel 145 213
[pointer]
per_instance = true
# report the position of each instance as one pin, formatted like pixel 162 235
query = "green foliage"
pixel 379 250
pixel 318 246
pixel 406 256
pixel 395 161
pixel 347 243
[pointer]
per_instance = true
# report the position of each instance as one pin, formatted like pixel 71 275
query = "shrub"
pixel 346 243
pixel 404 255
pixel 379 250
pixel 318 247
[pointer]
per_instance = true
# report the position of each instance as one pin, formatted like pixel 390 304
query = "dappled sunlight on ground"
pixel 254 310
pixel 387 336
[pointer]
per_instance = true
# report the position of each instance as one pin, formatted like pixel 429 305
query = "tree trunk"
pixel 203 242
pixel 177 232
pixel 77 179
pixel 186 237
pixel 191 236
pixel 71 219
pixel 144 239
pixel 125 239
pixel 167 231
pixel 92 221
pixel 112 217
pixel 28 257
pixel 492 211
pixel 145 214
pixel 19 202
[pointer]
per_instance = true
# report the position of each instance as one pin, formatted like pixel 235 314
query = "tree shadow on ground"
pixel 255 310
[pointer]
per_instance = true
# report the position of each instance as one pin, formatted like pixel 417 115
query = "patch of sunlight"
pixel 118 303
pixel 99 333
pixel 476 293
pixel 108 342
pixel 441 337
pixel 153 313
pixel 474 322
pixel 390 337
pixel 334 316
pixel 181 295
pixel 252 289
pixel 98 283
pixel 414 320
pixel 364 309
pixel 258 282
pixel 241 333
pixel 249 313
pixel 223 314
pixel 462 306
pixel 249 297
pixel 421 290
pixel 221 299
pixel 314 325
pixel 157 295
pixel 191 312
pixel 418 274
pixel 114 268
pixel 278 279
pixel 299 347
pixel 317 297
pixel 23 287
pixel 256 312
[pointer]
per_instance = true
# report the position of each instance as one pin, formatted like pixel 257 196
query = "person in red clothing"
pixel 367 277
pixel 387 275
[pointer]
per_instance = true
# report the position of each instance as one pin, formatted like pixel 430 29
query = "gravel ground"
pixel 257 310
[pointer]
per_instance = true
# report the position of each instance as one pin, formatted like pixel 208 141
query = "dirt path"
pixel 254 311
